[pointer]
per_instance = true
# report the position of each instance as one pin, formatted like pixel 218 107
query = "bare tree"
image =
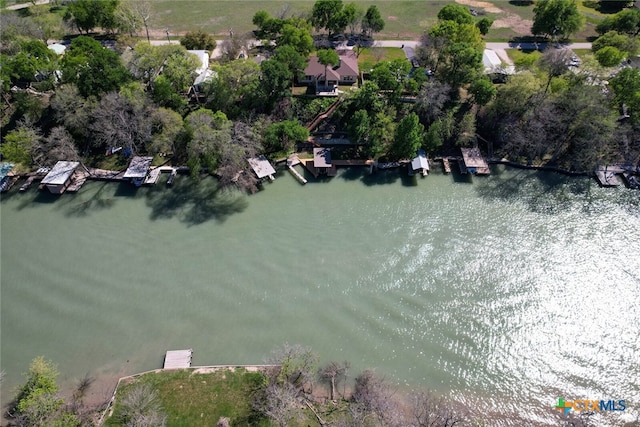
pixel 281 403
pixel 232 47
pixel 296 365
pixel 59 145
pixel 333 373
pixel 373 398
pixel 428 410
pixel 555 62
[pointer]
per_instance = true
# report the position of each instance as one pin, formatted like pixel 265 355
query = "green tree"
pixel 327 14
pixel 626 89
pixel 296 32
pixel 37 403
pixel 626 21
pixel 283 136
pixel 372 21
pixel 328 57
pixel 198 40
pixel 276 81
pixel 622 42
pixel 206 132
pixel 482 91
pixel 557 19
pixel 353 15
pixel 88 14
pixel 35 62
pixel 93 68
pixel 609 56
pixel 236 89
pixel 456 13
pixel 18 145
pixel 484 24
pixel 408 137
pixel 391 75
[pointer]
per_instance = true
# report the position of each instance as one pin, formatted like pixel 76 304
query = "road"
pixel 25 5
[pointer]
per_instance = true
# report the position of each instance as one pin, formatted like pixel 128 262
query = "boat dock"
pixel 291 162
pixel 446 165
pixel 178 359
pixel 607 178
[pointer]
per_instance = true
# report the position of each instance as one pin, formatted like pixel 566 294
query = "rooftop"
pixel 420 162
pixel 321 158
pixel 5 168
pixel 348 66
pixel 60 173
pixel 138 167
pixel 261 166
pixel 474 160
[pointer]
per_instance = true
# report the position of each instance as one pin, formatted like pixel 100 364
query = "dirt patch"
pixel 392 18
pixel 488 7
pixel 509 20
pixel 516 23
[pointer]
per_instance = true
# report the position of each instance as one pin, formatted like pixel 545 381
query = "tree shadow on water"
pixel 194 202
pixel 542 192
pixel 84 202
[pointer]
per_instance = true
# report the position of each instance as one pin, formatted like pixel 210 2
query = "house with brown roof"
pixel 327 80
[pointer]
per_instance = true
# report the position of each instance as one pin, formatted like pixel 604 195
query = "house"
pixel 262 167
pixel 138 170
pixel 322 160
pixel 327 80
pixel 203 73
pixel 59 178
pixel 420 163
pixel 494 67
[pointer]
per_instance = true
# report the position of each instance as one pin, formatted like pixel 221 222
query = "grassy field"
pixel 404 19
pixel 192 400
pixel 370 56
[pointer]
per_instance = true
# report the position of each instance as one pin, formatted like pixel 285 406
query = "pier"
pixel 178 359
pixel 292 161
pixel 607 177
pixel 446 165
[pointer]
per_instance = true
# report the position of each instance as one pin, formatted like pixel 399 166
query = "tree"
pixel 353 15
pixel 484 24
pixel 326 14
pixel 482 91
pixel 88 14
pixel 206 132
pixel 283 136
pixel 622 42
pixel 198 40
pixel 372 21
pixel 59 145
pixel 456 13
pixel 626 89
pixel 72 110
pixel 609 56
pixel 93 68
pixel 37 403
pixel 18 145
pixel 293 364
pixel 372 398
pixel 281 403
pixel 35 62
pixel 408 137
pixel 296 32
pixel 557 19
pixel 428 410
pixel 626 21
pixel 391 75
pixel 328 57
pixel 121 121
pixel 166 128
pixel 236 89
pixel 333 373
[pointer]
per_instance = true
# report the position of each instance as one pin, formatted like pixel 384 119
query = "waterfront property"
pixel 138 170
pixel 59 178
pixel 262 167
pixel 322 161
pixel 420 164
pixel 474 162
pixel 326 79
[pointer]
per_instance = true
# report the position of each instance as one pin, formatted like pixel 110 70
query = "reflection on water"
pixel 508 291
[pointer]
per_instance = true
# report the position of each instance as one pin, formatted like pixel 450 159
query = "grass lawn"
pixel 370 56
pixel 403 18
pixel 192 400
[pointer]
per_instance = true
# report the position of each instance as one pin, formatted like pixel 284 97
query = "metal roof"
pixel 138 167
pixel 60 173
pixel 261 166
pixel 420 162
pixel 321 158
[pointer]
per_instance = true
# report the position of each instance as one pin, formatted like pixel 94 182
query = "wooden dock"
pixel 25 186
pixel 178 359
pixel 291 162
pixel 446 165
pixel 78 179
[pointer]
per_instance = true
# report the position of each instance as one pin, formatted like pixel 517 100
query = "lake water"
pixel 506 291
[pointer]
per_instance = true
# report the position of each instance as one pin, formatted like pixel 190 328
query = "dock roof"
pixel 5 168
pixel 321 157
pixel 420 162
pixel 261 166
pixel 60 173
pixel 138 167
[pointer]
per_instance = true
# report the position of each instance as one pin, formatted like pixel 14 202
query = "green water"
pixel 507 292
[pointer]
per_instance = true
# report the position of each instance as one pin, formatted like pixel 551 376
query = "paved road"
pixel 25 5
